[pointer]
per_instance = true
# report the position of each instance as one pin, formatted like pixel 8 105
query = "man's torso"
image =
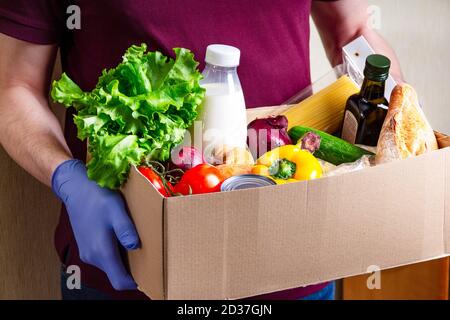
pixel 273 37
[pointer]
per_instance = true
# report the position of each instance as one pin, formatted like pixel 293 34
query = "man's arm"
pixel 32 136
pixel 29 131
pixel 340 22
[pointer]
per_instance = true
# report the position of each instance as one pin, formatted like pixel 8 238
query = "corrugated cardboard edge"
pixel 442 139
pixel 165 246
pixel 447 205
pixel 146 207
pixel 444 142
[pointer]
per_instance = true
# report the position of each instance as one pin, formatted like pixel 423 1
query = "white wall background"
pixel 419 32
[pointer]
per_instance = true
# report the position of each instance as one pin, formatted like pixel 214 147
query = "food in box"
pixel 246 242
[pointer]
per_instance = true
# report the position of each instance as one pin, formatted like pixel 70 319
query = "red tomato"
pixel 155 179
pixel 203 178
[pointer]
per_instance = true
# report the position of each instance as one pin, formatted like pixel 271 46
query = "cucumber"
pixel 332 149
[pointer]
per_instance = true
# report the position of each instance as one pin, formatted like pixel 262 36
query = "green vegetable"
pixel 282 169
pixel 139 109
pixel 332 149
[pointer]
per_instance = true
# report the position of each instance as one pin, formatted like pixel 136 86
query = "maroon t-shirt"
pixel 273 37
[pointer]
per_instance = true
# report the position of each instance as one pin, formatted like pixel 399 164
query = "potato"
pixel 228 170
pixel 233 156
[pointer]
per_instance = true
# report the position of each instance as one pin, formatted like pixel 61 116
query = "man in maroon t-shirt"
pixel 274 40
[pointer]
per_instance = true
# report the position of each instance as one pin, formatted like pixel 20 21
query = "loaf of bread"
pixel 405 132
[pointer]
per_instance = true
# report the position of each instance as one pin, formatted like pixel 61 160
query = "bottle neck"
pixel 215 68
pixel 373 91
pixel 227 77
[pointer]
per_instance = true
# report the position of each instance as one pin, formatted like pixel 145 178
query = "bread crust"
pixel 406 131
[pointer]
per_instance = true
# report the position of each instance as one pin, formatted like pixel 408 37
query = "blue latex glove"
pixel 98 218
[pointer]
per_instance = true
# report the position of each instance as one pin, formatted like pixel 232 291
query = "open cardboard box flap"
pixel 235 244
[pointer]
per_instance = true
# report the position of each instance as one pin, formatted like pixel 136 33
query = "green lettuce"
pixel 139 109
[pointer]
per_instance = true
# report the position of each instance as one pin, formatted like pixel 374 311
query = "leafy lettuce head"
pixel 140 108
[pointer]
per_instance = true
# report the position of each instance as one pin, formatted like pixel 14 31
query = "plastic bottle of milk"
pixel 223 109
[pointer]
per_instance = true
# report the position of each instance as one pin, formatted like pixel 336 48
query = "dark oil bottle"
pixel 365 112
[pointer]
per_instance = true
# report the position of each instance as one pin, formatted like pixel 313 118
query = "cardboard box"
pixel 237 244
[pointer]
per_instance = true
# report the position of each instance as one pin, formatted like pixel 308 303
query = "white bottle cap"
pixel 222 55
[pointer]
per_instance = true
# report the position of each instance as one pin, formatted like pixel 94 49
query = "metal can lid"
pixel 246 181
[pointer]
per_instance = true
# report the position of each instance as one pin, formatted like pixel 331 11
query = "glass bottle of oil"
pixel 365 111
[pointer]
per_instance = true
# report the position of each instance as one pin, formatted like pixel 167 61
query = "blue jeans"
pixel 326 293
pixel 86 293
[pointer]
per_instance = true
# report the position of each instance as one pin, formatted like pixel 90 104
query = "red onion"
pixel 266 134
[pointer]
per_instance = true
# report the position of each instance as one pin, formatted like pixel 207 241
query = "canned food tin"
pixel 246 181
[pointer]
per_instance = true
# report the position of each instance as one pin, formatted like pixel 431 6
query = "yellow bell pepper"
pixel 287 164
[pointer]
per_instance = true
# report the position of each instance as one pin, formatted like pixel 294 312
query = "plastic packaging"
pixel 223 113
pixel 362 163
